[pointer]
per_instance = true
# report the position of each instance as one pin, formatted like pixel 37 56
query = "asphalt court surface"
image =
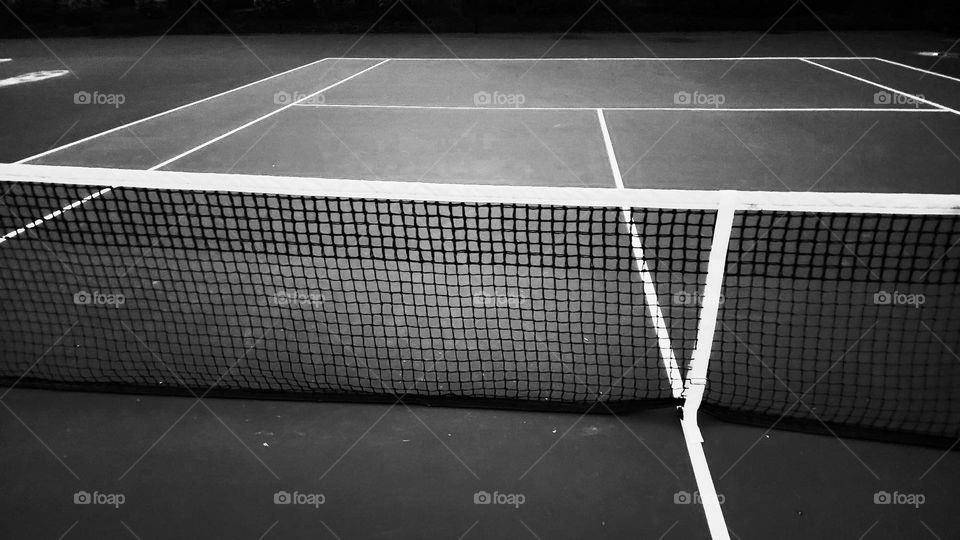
pixel 420 121
pixel 780 124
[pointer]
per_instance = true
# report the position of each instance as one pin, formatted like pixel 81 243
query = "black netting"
pixel 841 323
pixel 305 297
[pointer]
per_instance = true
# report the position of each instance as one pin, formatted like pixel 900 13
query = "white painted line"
pixel 653 308
pixel 928 72
pixel 33 77
pixel 52 215
pixel 158 115
pixel 611 155
pixel 625 58
pixel 696 380
pixel 668 109
pixel 884 87
pixel 649 287
pixel 880 203
pixel 705 486
pixel 438 107
pixel 107 190
pixel 262 118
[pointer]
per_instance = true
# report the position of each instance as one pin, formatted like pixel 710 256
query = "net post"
pixel 696 379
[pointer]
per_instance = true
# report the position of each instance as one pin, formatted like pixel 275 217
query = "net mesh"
pixel 835 322
pixel 315 296
pixel 841 322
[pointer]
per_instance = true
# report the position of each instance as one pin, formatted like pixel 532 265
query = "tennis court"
pixel 771 240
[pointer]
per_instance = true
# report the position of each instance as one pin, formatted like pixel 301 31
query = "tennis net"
pixel 838 313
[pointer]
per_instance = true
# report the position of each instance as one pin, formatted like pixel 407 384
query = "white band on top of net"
pixel 886 203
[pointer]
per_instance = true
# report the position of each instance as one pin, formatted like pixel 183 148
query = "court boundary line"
pixel 247 85
pixel 164 113
pixel 914 68
pixel 697 372
pixel 682 199
pixel 92 196
pixel 261 118
pixel 884 87
pixel 618 58
pixel 751 58
pixel 16 232
pixel 639 109
pixel 667 354
pixel 692 436
pixel 706 489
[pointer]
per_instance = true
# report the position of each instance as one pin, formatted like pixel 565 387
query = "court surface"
pixel 780 124
pixel 776 124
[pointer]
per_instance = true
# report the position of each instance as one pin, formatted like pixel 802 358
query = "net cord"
pixel 682 199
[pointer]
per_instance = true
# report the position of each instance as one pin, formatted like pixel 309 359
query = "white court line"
pixel 705 486
pixel 696 380
pixel 649 288
pixel 691 431
pixel 158 115
pixel 52 215
pixel 680 109
pixel 683 199
pixel 928 72
pixel 884 87
pixel 611 155
pixel 75 204
pixel 34 76
pixel 618 59
pixel 262 118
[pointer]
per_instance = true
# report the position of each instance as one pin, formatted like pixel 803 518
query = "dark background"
pixel 140 17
